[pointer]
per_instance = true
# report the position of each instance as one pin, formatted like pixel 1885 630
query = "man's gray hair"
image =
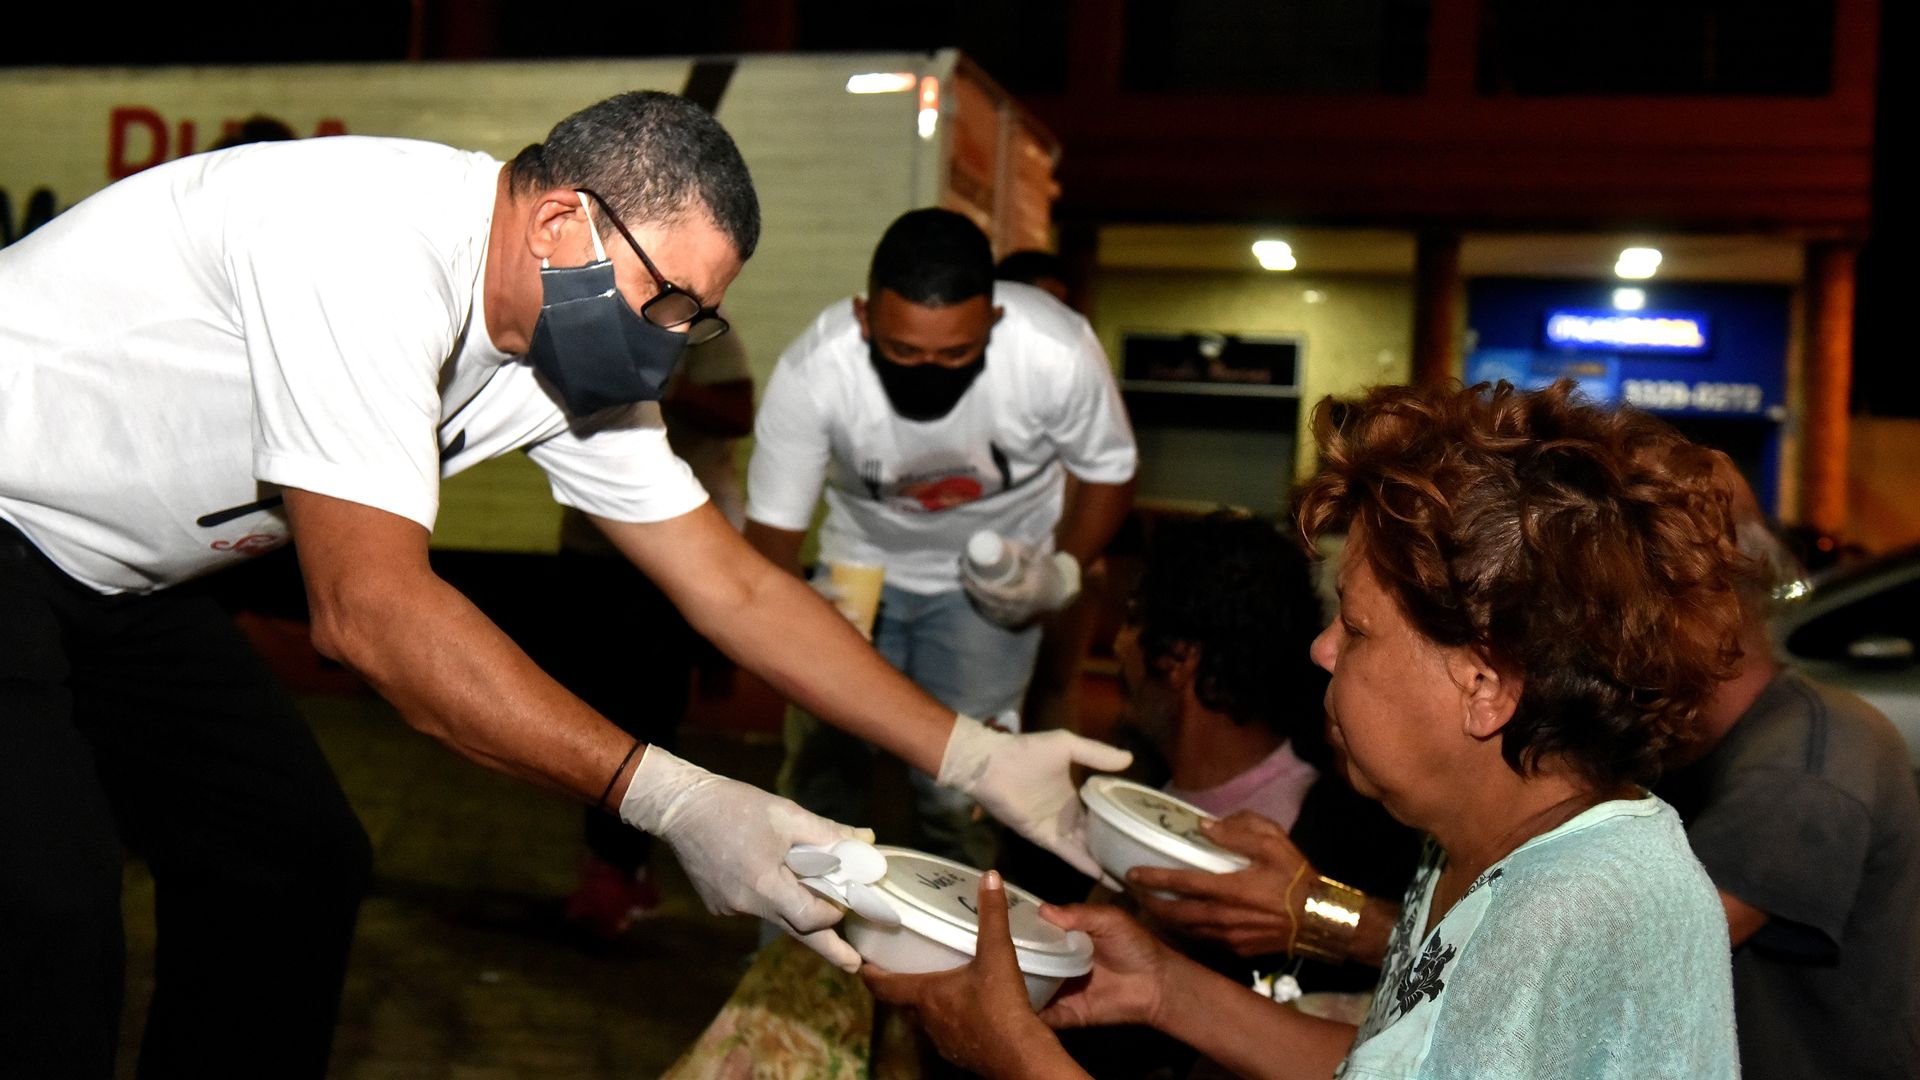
pixel 655 157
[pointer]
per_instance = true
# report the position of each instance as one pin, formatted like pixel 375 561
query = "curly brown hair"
pixel 1590 551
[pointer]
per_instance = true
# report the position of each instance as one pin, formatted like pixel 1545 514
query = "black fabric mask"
pixel 925 391
pixel 596 350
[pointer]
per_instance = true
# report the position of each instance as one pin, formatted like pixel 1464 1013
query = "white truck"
pixel 839 145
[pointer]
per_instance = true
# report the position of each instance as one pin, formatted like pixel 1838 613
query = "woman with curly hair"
pixel 1535 599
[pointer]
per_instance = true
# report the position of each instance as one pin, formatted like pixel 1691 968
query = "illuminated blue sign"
pixel 1669 333
pixel 1598 377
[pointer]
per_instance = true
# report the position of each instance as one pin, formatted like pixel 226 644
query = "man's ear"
pixel 550 226
pixel 860 316
pixel 998 312
pixel 1180 664
pixel 1489 697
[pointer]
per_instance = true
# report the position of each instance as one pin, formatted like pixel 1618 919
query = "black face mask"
pixel 927 391
pixel 595 350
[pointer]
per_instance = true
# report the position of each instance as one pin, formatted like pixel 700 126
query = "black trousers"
pixel 147 723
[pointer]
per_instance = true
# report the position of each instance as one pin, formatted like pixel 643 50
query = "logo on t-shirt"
pixel 937 488
pixel 251 544
pixel 940 493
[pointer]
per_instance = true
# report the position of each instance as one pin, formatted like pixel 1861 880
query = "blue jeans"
pixel 968 663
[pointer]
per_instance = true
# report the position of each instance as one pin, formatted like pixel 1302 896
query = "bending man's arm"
pixel 379 608
pixel 770 622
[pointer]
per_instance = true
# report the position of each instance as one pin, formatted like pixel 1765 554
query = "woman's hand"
pixel 1251 911
pixel 1129 970
pixel 979 1015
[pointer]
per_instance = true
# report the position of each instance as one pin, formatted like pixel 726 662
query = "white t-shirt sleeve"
pixel 791 448
pixel 1090 426
pixel 345 340
pixel 618 466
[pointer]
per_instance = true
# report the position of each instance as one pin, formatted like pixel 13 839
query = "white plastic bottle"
pixel 989 558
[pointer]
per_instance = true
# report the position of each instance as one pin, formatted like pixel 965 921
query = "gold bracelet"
pixel 1327 920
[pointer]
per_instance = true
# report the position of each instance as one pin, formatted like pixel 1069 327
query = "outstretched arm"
pixel 774 625
pixel 771 623
pixel 379 608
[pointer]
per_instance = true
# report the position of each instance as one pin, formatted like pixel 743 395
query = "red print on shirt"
pixel 251 544
pixel 944 493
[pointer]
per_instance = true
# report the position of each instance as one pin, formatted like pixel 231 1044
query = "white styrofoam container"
pixel 1131 825
pixel 936 900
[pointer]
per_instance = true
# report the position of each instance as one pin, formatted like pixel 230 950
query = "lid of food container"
pixel 938 899
pixel 1160 821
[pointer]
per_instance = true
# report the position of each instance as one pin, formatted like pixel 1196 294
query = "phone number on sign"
pixel 1703 396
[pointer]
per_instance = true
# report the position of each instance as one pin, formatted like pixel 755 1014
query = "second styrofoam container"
pixel 1131 825
pixel 937 900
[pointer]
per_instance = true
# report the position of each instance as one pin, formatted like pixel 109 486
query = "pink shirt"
pixel 1273 788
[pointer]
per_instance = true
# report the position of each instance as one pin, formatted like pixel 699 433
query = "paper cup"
pixel 859 587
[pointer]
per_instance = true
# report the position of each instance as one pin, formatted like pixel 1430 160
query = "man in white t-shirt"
pixel 297 341
pixel 937 406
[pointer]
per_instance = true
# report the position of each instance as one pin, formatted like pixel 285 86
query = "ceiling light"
pixel 1313 296
pixel 1629 299
pixel 880 82
pixel 929 106
pixel 1637 262
pixel 1274 254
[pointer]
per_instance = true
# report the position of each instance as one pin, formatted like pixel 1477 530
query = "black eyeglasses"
pixel 672 306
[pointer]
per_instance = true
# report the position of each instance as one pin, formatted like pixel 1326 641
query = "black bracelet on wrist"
pixel 615 778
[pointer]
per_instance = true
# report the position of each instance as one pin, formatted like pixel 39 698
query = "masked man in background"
pixel 938 406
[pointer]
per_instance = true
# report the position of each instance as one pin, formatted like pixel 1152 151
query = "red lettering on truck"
pixel 123 119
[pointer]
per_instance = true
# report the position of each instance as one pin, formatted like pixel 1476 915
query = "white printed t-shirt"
pixel 181 346
pixel 906 494
pixel 1597 950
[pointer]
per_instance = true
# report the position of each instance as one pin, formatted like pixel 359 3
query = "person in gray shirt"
pixel 1798 800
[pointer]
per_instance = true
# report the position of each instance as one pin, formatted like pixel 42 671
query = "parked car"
pixel 1857 628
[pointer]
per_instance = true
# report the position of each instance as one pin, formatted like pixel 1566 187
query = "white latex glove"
pixel 732 839
pixel 1044 583
pixel 1026 781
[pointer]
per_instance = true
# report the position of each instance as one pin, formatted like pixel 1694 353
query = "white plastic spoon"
pixel 859 861
pixel 811 860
